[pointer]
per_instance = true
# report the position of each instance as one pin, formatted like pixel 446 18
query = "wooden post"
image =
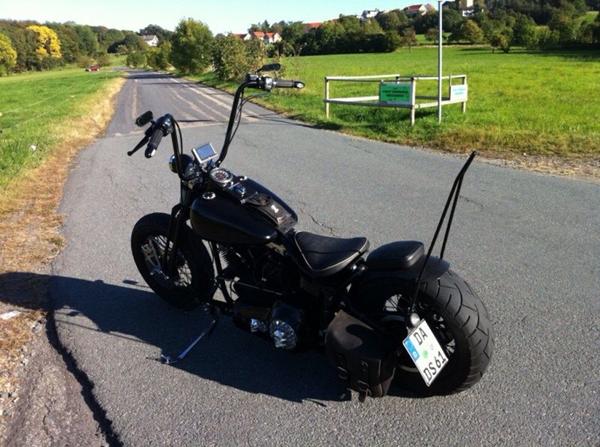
pixel 326 97
pixel 413 100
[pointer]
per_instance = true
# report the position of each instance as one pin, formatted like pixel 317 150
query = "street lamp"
pixel 440 36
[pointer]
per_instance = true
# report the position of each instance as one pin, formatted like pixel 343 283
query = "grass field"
pixel 534 103
pixel 35 107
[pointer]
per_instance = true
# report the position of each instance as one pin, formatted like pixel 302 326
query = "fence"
pixel 399 92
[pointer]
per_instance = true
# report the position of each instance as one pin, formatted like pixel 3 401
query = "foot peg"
pixel 208 308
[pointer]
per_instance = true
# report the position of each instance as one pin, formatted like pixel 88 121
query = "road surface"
pixel 528 243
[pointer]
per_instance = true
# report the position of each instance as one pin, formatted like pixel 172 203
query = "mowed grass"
pixel 34 107
pixel 521 102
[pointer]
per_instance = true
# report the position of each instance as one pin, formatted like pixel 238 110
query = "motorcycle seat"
pixel 325 256
pixel 401 255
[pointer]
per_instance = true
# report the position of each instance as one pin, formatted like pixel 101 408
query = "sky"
pixel 221 16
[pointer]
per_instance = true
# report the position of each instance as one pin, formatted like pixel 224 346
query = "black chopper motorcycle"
pixel 395 314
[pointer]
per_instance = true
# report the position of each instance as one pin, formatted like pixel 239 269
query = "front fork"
pixel 179 215
pixel 169 257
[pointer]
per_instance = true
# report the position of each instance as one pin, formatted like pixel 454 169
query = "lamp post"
pixel 440 37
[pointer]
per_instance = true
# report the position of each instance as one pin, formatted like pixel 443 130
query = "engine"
pixel 268 303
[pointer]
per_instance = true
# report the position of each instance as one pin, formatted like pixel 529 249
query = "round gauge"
pixel 221 176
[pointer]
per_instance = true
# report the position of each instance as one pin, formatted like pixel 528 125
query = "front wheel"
pixel 457 317
pixel 193 280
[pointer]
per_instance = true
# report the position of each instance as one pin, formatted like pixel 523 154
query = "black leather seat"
pixel 325 256
pixel 401 255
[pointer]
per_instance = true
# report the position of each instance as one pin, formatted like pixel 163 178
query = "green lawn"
pixel 537 103
pixel 34 107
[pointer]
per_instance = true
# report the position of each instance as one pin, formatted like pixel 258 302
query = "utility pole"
pixel 440 37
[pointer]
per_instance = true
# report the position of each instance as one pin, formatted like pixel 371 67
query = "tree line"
pixel 192 47
pixel 28 45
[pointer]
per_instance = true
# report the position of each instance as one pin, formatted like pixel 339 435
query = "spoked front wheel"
pixel 192 281
pixel 457 317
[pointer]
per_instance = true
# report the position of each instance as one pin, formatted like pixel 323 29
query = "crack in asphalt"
pixel 326 227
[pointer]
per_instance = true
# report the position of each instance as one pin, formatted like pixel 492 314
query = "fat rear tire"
pixel 465 318
pixel 192 257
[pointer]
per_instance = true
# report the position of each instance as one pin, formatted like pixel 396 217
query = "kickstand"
pixel 208 308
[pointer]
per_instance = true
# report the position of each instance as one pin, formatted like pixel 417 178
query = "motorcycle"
pixel 396 313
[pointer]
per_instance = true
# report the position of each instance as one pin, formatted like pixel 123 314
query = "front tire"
pixel 192 283
pixel 457 317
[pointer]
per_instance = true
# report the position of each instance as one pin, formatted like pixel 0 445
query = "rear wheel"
pixel 193 280
pixel 457 317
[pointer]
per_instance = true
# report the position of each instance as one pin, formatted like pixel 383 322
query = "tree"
pixel 88 42
pixel 230 58
pixel 109 37
pixel 500 40
pixel 524 32
pixel 392 20
pixel 566 27
pixel 432 35
pixel 103 60
pixel 24 42
pixel 192 46
pixel 255 54
pixel 158 57
pixel 451 20
pixel 136 59
pixel 8 55
pixel 470 32
pixel 48 44
pixel 292 33
pixel 162 34
pixel 408 38
pixel 133 42
pixel 69 41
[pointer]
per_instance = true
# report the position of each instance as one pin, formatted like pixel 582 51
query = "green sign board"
pixel 395 93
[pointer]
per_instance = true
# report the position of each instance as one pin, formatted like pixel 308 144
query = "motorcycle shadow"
pixel 230 356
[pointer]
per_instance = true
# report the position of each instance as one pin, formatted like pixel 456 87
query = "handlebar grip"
pixel 284 83
pixel 155 139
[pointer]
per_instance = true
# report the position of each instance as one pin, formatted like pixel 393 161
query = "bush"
pixel 229 58
pixel 84 61
pixel 136 59
pixel 158 58
pixel 233 58
pixel 255 54
pixel 103 60
pixel 500 41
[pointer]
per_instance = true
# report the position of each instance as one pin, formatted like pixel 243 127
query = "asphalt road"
pixel 528 243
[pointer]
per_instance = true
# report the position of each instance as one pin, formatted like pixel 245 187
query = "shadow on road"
pixel 262 115
pixel 230 356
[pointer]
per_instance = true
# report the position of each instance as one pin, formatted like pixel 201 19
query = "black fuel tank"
pixel 227 215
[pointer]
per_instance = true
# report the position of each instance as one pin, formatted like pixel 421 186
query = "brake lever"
pixel 143 142
pixel 140 145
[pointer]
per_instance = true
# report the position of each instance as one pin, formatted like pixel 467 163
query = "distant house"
pixel 418 10
pixel 312 25
pixel 369 14
pixel 267 38
pixel 466 7
pixel 151 40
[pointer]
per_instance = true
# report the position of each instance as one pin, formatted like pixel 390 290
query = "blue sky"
pixel 221 16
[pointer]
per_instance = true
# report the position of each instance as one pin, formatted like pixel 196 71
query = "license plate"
pixel 426 352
